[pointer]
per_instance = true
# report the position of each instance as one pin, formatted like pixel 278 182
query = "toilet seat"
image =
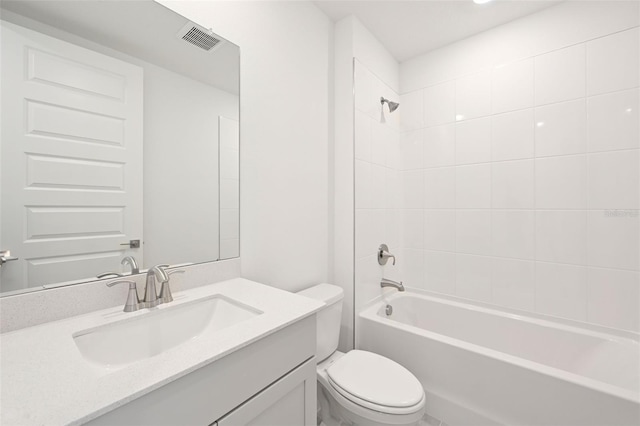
pixel 376 383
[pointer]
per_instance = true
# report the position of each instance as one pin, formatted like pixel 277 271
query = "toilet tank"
pixel 328 318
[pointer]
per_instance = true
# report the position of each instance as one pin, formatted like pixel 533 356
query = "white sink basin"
pixel 117 344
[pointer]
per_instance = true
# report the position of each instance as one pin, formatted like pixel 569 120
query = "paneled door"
pixel 70 160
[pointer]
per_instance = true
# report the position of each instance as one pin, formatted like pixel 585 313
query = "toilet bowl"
pixel 358 387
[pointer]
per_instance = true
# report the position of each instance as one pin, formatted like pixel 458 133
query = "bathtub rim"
pixel 506 311
pixel 370 313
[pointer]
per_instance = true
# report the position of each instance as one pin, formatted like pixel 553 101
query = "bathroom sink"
pixel 115 345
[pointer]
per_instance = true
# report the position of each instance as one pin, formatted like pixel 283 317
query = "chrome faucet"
pixel 133 302
pixel 131 261
pixel 165 291
pixel 384 255
pixel 390 283
pixel 150 299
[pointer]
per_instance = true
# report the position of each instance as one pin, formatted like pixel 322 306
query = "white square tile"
pixel 381 136
pixel 473 186
pixel 439 146
pixel 512 184
pixel 561 128
pixel 512 86
pixel 614 298
pixel 413 231
pixel 439 188
pixel 512 283
pixel 364 232
pixel 393 155
pixel 613 180
pixel 411 148
pixel 473 96
pixel 363 82
pixel 512 233
pixel 412 268
pixel 561 182
pixel 367 279
pixel 561 236
pixel 473 141
pixel 561 290
pixel 613 239
pixel 439 104
pixel 473 231
pixel 512 136
pixel 394 196
pixel 560 75
pixel 440 230
pixel 379 231
pixel 393 229
pixel 363 124
pixel 378 187
pixel 363 188
pixel 613 121
pixel 413 189
pixel 473 277
pixel 392 119
pixel 612 62
pixel 411 116
pixel 440 271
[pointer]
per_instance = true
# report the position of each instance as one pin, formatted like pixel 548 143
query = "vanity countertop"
pixel 46 381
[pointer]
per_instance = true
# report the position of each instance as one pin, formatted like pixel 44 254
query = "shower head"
pixel 392 105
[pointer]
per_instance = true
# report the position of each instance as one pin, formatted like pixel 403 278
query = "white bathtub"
pixel 480 365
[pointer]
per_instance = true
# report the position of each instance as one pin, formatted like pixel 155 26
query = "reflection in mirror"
pixel 229 142
pixel 120 137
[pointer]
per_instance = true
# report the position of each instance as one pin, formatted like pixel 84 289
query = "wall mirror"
pixel 119 137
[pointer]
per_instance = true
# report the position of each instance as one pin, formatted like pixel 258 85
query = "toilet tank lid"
pixel 327 293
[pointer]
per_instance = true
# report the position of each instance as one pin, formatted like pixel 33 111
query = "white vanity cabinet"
pixel 271 382
pixel 288 402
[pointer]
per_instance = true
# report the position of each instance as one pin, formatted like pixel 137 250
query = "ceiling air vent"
pixel 199 36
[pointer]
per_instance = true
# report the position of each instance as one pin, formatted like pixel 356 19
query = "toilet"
pixel 359 388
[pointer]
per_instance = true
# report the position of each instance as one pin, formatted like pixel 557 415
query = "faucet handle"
pixel 131 261
pixel 165 291
pixel 133 302
pixel 109 274
pixel 384 255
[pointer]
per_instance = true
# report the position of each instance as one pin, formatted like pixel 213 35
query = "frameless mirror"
pixel 119 137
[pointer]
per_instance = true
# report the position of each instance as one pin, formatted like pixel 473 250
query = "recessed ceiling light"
pixel 481 1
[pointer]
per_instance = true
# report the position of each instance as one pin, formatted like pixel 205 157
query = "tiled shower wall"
pixel 519 183
pixel 378 183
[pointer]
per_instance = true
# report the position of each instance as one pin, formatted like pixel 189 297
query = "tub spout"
pixel 390 283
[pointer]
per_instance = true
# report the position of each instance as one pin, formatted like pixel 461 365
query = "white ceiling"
pixel 142 29
pixel 410 28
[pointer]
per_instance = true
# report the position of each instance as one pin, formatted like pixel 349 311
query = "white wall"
pixel 284 100
pixel 518 144
pixel 376 75
pixel 343 190
pixel 229 132
pixel 183 131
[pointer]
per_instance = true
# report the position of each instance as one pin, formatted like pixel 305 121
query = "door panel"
pixel 71 160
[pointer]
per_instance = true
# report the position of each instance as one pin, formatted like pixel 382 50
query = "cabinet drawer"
pixel 291 401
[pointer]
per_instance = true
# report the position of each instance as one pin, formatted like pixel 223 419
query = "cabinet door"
pixel 291 401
